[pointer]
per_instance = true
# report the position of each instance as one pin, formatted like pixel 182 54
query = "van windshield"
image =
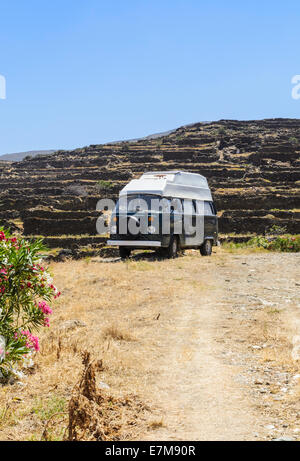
pixel 134 203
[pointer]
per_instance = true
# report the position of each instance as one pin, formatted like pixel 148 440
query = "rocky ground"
pixel 252 167
pixel 233 370
pixel 210 346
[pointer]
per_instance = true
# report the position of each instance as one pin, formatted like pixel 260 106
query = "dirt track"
pixel 210 344
pixel 209 365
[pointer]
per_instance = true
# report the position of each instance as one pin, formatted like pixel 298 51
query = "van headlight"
pixel 113 229
pixel 151 229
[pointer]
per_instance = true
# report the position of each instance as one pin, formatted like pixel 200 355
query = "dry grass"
pixel 96 415
pixel 274 330
pixel 156 424
pixel 271 330
pixel 117 333
pixel 130 311
pixel 125 312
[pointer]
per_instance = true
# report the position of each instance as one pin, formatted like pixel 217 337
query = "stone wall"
pixel 253 168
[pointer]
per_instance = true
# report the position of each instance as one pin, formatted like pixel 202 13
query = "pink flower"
pixel 32 341
pixel 43 306
pixel 2 235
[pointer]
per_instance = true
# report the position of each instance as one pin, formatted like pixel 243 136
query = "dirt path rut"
pixel 202 391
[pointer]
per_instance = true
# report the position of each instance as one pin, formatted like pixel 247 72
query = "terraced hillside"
pixel 253 168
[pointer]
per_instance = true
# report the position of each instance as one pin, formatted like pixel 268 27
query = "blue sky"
pixel 87 72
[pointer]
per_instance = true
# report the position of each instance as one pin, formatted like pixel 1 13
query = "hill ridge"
pixel 253 168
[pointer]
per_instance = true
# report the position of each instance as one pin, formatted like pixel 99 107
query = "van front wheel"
pixel 124 252
pixel 206 248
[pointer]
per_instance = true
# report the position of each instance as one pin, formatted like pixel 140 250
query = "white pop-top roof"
pixel 170 184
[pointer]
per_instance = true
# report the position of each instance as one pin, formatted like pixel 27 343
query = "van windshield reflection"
pixel 139 202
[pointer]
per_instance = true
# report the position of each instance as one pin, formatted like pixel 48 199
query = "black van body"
pixel 193 222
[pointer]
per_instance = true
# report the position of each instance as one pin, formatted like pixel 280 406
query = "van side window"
pixel 163 205
pixel 189 207
pixel 208 209
pixel 200 207
pixel 194 206
pixel 176 205
pixel 213 208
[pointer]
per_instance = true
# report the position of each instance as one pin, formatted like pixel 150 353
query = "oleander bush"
pixel 26 289
pixel 286 243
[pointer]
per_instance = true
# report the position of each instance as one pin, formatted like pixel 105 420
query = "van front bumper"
pixel 134 243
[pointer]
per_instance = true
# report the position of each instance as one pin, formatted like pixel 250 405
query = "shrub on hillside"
pixel 104 185
pixel 276 230
pixel 286 243
pixel 289 243
pixel 26 288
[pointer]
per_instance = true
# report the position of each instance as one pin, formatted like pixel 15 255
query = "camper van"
pixel 167 211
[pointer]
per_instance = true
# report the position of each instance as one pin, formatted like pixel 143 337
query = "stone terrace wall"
pixel 253 168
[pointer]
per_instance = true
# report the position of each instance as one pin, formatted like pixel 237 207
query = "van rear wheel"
pixel 173 248
pixel 206 248
pixel 124 252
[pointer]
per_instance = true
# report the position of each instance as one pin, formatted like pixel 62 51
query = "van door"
pixel 200 221
pixel 193 223
pixel 210 221
pixel 177 217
